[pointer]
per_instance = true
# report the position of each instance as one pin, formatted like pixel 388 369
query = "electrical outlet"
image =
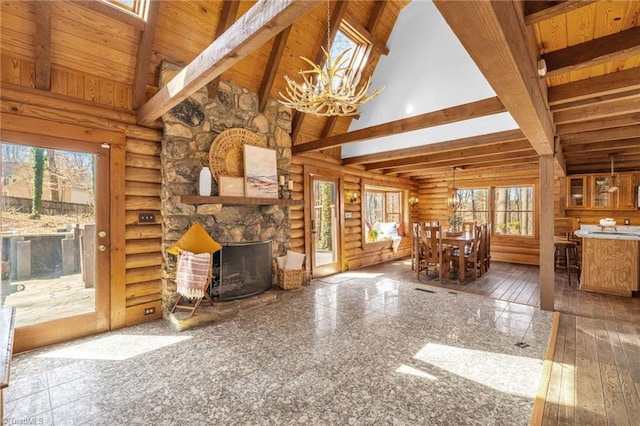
pixel 146 217
pixel 627 222
pixel 149 311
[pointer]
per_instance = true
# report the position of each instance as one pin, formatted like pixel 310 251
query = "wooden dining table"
pixel 459 241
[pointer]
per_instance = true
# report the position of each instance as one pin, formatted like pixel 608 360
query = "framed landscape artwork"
pixel 261 175
pixel 230 186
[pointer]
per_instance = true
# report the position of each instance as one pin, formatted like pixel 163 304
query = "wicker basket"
pixel 227 151
pixel 291 279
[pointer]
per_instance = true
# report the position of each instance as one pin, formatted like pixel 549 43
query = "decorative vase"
pixel 204 187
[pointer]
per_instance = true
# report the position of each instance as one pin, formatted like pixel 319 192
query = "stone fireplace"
pixel 190 128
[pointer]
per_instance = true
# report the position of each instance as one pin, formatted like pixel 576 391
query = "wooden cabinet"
pixel 577 195
pixel 583 192
pixel 610 266
pixel 627 192
pixel 601 199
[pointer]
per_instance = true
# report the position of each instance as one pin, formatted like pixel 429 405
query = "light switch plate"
pixel 348 215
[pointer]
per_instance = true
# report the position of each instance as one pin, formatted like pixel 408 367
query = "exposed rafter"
pixel 607 84
pixel 260 23
pixel 270 72
pixel 618 46
pixel 509 68
pixel 143 57
pixel 43 45
pixel 422 121
pixel 538 11
pixel 455 157
pixel 228 17
pixel 600 110
pixel 447 146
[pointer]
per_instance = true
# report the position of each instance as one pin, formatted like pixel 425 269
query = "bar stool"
pixel 565 248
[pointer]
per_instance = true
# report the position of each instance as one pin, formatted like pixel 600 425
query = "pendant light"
pixel 454 202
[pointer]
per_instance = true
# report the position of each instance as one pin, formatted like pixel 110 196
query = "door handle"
pixel 102 247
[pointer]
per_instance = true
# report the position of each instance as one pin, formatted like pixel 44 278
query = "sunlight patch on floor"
pixel 412 371
pixel 515 375
pixel 116 348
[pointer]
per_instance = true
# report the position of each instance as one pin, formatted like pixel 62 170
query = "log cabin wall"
pixel 136 257
pixel 354 253
pixel 433 194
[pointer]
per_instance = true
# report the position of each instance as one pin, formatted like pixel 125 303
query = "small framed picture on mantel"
pixel 230 186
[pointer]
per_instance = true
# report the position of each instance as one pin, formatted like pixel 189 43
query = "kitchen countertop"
pixel 621 232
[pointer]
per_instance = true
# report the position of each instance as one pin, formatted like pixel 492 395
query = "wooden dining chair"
pixel 469 227
pixel 483 250
pixel 432 255
pixel 470 255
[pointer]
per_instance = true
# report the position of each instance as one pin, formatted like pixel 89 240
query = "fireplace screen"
pixel 241 270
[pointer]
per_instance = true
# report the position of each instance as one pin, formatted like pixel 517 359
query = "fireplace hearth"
pixel 241 270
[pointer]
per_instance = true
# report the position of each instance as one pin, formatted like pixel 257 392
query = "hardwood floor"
pixel 594 378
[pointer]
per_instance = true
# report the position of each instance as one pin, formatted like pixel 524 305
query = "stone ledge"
pixel 206 314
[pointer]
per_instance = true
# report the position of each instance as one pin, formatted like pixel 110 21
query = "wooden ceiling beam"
pixel 338 13
pixel 227 18
pixel 444 116
pixel 508 66
pixel 43 45
pixel 603 135
pixel 258 25
pixel 618 46
pixel 607 84
pixel 597 111
pixel 631 94
pixel 459 155
pixel 271 70
pixel 623 154
pixel 494 165
pixel 498 137
pixel 143 56
pixel 610 146
pixel 599 123
pixel 466 162
pixel 538 11
pixel 473 177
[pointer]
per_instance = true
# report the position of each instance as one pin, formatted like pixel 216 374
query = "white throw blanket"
pixel 395 243
pixel 193 274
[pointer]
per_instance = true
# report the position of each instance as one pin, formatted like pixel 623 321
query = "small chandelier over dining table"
pixel 454 201
pixel 328 90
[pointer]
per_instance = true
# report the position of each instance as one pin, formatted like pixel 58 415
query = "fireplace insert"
pixel 241 270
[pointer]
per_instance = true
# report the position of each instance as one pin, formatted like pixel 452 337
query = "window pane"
pixel 514 211
pixel 374 207
pixel 475 202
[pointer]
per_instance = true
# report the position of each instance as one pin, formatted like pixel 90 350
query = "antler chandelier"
pixel 329 90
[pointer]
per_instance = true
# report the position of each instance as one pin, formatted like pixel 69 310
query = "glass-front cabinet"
pixel 601 198
pixel 591 192
pixel 577 192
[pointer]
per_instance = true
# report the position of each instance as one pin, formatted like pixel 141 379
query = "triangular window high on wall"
pixel 357 47
pixel 137 7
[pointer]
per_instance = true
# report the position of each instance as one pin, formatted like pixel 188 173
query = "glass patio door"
pixel 55 239
pixel 325 243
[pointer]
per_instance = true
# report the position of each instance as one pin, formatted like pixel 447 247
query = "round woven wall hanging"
pixel 226 155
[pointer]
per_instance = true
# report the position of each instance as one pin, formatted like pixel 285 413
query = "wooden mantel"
pixel 198 199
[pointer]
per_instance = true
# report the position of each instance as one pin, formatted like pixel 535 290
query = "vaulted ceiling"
pixel 584 109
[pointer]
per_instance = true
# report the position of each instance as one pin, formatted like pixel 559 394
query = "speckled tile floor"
pixel 364 350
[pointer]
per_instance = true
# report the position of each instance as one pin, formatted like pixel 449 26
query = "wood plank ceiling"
pixel 585 109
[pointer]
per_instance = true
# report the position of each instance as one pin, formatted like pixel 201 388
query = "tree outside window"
pixel 513 213
pixel 381 205
pixel 475 205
